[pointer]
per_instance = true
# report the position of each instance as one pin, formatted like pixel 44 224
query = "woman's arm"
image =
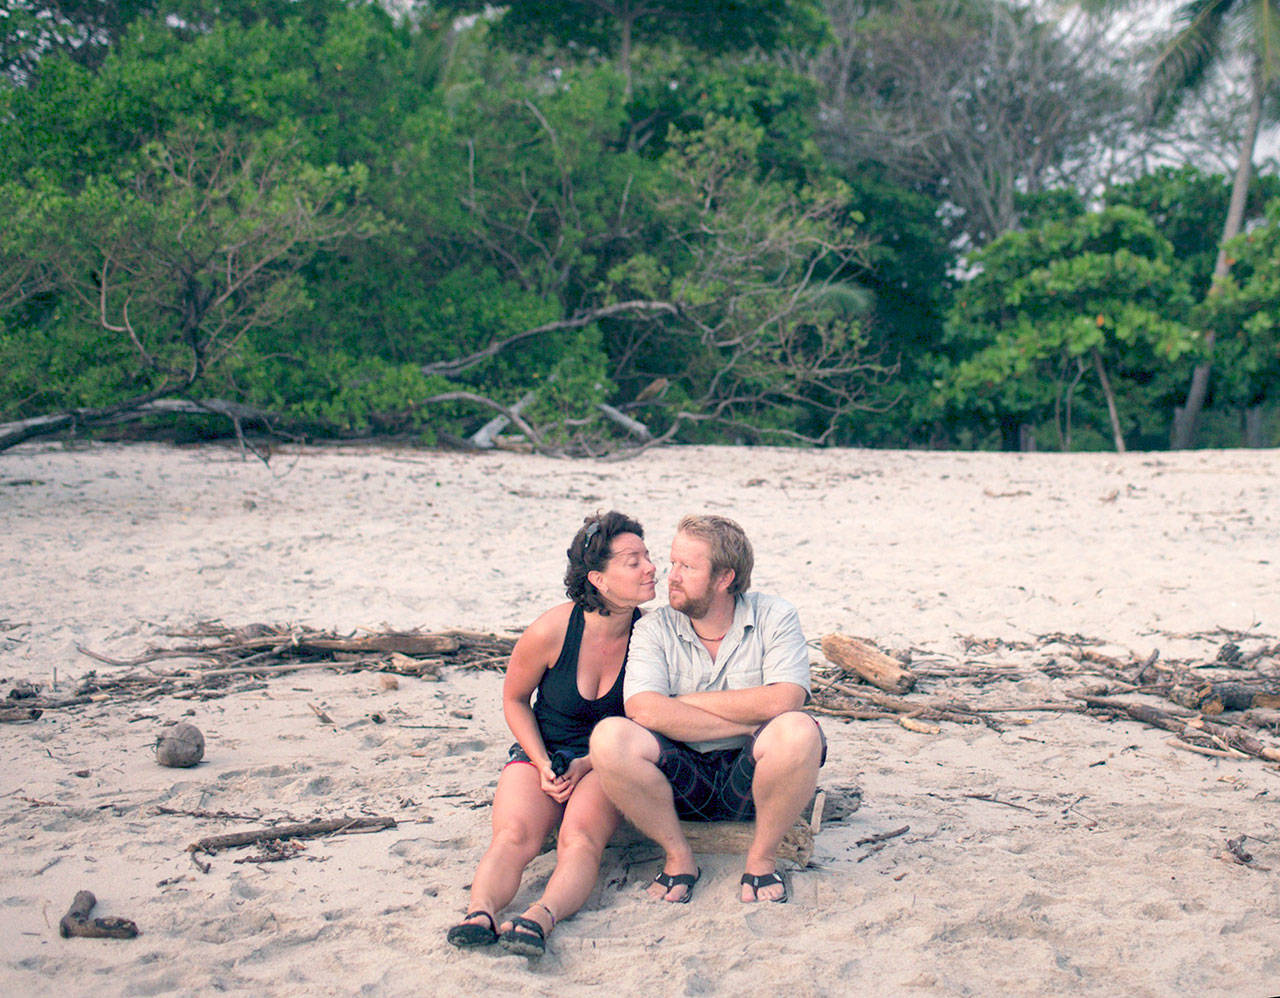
pixel 532 655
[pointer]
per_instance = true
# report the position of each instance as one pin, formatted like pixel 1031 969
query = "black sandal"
pixel 467 934
pixel 685 880
pixel 525 937
pixel 765 880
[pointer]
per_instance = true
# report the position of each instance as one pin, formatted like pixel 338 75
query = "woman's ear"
pixel 596 578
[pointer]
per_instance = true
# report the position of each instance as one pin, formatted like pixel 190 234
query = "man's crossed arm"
pixel 713 714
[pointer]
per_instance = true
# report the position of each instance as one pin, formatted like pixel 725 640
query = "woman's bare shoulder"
pixel 547 632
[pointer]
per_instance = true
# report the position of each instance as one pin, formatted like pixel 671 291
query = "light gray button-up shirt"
pixel 764 645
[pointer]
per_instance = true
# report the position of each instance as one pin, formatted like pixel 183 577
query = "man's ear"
pixel 725 580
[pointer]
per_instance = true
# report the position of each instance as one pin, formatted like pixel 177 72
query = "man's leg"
pixel 788 753
pixel 626 757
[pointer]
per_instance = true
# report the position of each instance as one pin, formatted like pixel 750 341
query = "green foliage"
pixel 1245 314
pixel 333 393
pixel 1047 302
pixel 1187 206
pixel 181 255
pixel 711 26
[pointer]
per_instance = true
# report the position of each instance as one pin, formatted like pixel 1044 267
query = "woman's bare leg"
pixel 522 817
pixel 590 820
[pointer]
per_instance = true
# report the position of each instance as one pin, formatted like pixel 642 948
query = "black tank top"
pixel 565 718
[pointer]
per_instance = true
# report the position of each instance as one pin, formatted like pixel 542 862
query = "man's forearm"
pixel 681 721
pixel 752 706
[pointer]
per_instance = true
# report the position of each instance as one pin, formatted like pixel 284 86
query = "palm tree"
pixel 1213 33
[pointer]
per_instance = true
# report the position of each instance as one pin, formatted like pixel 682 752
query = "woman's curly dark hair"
pixel 589 552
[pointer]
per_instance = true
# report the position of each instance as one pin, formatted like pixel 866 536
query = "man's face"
pixel 691 588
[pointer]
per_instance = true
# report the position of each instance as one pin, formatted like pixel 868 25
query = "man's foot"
pixel 472 932
pixel 674 887
pixel 763 887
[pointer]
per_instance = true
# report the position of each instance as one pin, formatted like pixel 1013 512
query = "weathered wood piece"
pixel 326 826
pixel 76 921
pixel 1215 697
pixel 1188 727
pixel 12 714
pixel 871 664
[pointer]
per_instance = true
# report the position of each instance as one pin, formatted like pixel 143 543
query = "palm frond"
pixel 1195 49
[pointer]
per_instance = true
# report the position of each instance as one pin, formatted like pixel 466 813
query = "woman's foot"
pixel 477 928
pixel 527 934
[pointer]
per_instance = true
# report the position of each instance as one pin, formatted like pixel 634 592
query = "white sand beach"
pixel 1048 853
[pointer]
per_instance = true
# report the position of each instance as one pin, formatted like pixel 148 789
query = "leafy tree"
pixel 1093 294
pixel 1245 316
pixel 762 340
pixel 615 27
pixel 172 265
pixel 974 102
pixel 1213 33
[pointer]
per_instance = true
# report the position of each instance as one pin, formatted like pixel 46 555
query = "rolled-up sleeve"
pixel 786 655
pixel 647 670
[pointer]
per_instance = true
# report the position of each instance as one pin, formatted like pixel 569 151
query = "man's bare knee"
pixel 793 736
pixel 617 741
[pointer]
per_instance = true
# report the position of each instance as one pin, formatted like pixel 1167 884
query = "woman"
pixel 574 656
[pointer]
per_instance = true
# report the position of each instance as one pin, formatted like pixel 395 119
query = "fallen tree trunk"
pixel 15 433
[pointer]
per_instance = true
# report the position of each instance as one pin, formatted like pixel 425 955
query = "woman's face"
pixel 628 577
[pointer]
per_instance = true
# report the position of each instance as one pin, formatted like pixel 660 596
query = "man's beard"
pixel 694 608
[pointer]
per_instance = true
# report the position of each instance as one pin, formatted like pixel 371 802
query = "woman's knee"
pixel 518 837
pixel 583 840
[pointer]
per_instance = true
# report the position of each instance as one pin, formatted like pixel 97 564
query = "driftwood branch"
pixel 633 426
pixel 140 407
pixel 308 829
pixel 1189 727
pixel 452 367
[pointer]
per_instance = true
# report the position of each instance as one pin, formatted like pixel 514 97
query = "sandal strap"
pixel 529 925
pixel 493 926
pixel 550 914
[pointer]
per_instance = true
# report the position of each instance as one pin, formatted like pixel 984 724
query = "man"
pixel 714 731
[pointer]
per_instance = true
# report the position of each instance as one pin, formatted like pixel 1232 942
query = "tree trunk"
pixel 1255 426
pixel 1116 435
pixel 624 55
pixel 1185 419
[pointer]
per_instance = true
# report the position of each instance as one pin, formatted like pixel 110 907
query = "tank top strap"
pixel 572 643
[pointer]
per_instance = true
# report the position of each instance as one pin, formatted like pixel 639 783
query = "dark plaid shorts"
pixel 716 785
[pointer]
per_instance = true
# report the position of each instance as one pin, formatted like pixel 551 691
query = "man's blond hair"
pixel 730 549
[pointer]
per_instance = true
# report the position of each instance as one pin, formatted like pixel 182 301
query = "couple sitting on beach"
pixel 689 712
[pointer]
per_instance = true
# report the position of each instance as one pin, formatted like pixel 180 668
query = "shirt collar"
pixel 744 617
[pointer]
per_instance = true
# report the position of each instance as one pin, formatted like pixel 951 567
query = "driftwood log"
pixel 723 838
pixel 326 826
pixel 1215 697
pixel 873 665
pixel 76 921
